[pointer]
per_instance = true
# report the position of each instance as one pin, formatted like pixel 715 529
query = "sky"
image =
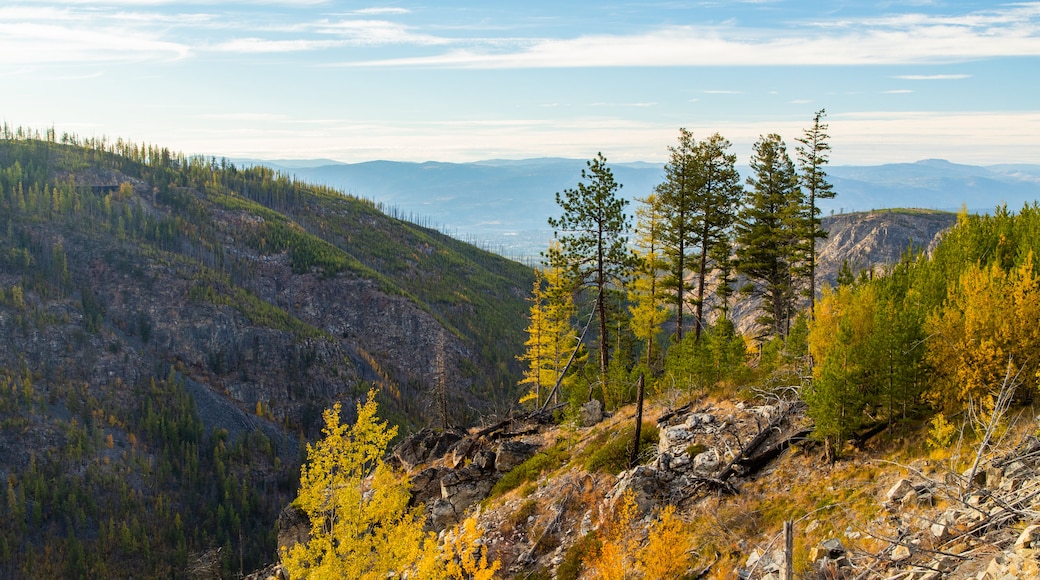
pixel 474 79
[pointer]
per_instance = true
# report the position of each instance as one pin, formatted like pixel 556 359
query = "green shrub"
pixel 613 455
pixel 574 559
pixel 547 460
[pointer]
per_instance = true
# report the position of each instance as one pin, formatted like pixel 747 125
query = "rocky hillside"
pixel 547 497
pixel 873 240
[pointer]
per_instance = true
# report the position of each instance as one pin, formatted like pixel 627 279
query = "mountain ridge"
pixel 467 200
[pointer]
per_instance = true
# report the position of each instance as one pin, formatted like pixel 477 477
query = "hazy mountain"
pixel 503 205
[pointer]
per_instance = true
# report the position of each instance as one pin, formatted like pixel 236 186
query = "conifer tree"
pixel 592 235
pixel 551 337
pixel 812 156
pixel 646 293
pixel 676 197
pixel 717 200
pixel 770 233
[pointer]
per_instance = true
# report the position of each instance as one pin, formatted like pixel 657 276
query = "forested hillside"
pixel 171 327
pixel 890 435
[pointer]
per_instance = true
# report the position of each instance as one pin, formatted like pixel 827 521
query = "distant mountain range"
pixel 503 205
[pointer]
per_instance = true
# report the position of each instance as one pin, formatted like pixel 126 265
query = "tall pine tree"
pixel 770 233
pixel 715 209
pixel 812 156
pixel 593 242
pixel 676 198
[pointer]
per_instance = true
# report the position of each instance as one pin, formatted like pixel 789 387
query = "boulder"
pixel 461 450
pixel 424 446
pixel 1029 538
pixel 484 459
pixel 442 515
pixel 898 491
pixel 512 453
pixel 465 487
pixel 591 413
pixel 708 462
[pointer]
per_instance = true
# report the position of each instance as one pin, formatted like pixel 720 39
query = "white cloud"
pixel 33 43
pixel 897 92
pixel 902 39
pixel 956 77
pixel 259 45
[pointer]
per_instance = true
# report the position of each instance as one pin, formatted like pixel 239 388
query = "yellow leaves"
pixel 361 525
pixel 468 559
pixel 666 553
pixel 991 318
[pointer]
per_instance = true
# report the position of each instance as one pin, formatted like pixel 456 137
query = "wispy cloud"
pixel 932 77
pixel 259 45
pixel 897 92
pixel 902 39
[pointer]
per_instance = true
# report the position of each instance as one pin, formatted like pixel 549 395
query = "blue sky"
pixel 470 80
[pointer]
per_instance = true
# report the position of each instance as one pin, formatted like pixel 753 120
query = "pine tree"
pixel 717 200
pixel 812 156
pixel 592 235
pixel 676 196
pixel 770 234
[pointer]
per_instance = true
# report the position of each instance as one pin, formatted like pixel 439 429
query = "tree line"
pixel 700 231
pixel 935 336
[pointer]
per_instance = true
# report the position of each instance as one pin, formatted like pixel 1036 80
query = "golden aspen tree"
pixel 361 525
pixel 666 554
pixel 647 293
pixel 988 326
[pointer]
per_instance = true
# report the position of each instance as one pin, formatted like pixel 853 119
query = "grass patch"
pixel 610 451
pixel 548 460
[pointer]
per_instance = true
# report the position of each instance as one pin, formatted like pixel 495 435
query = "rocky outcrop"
pixel 424 446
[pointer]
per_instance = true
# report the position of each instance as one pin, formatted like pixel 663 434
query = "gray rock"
pixel 898 491
pixel 646 486
pixel 591 413
pixel 465 487
pixel 294 527
pixel 512 453
pixel 426 485
pixel 424 446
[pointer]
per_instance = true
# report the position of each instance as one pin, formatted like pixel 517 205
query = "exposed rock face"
pixel 876 239
pixel 424 446
pixel 512 453
pixel 464 487
pixel 869 241
pixel 294 527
